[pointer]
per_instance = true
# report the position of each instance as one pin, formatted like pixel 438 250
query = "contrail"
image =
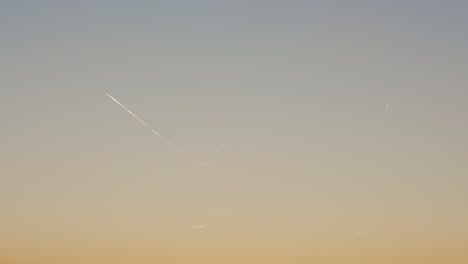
pixel 143 122
pixel 126 109
pixel 167 141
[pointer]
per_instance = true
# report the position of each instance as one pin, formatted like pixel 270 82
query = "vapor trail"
pixel 143 122
pixel 167 141
pixel 126 109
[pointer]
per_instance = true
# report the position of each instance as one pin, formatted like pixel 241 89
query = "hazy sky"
pixel 309 132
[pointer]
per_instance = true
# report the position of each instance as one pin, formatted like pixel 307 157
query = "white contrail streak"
pixel 126 109
pixel 143 122
pixel 167 141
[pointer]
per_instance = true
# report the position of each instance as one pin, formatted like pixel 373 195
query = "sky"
pixel 302 131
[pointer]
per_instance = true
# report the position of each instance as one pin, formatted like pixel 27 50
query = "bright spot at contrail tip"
pixel 143 122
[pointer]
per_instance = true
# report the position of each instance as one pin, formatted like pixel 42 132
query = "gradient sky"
pixel 309 132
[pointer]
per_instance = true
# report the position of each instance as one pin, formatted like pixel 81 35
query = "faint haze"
pixel 308 132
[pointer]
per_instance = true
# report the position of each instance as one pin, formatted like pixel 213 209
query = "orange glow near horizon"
pixel 274 132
